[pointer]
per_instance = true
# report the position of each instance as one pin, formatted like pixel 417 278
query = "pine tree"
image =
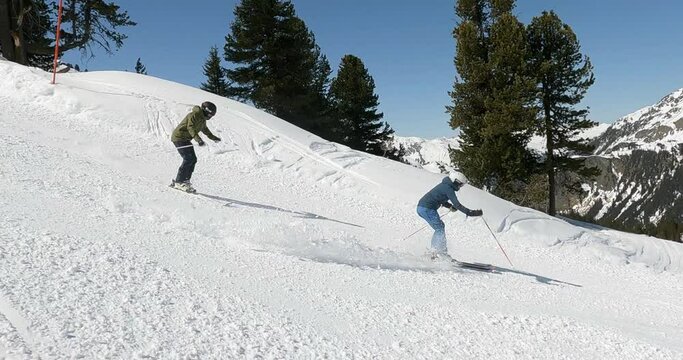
pixel 354 102
pixel 27 35
pixel 320 108
pixel 563 76
pixel 140 68
pixel 396 153
pixel 493 99
pixel 215 74
pixel 276 64
pixel 38 34
pixel 88 23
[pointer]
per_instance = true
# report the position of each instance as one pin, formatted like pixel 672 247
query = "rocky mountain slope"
pixel 640 155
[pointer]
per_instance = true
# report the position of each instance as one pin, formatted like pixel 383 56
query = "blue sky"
pixel 635 46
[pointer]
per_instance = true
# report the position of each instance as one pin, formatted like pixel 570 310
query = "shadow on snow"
pixel 386 260
pixel 300 214
pixel 539 278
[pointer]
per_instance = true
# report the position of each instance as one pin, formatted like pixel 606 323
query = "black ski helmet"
pixel 209 109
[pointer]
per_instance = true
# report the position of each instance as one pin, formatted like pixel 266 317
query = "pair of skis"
pixel 474 266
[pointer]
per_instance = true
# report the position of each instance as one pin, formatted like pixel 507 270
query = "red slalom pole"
pixel 495 238
pixel 59 27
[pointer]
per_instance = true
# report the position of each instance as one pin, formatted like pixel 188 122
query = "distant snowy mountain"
pixel 431 155
pixel 656 128
pixel 640 158
pixel 538 143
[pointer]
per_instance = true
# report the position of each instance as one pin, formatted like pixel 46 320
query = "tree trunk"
pixel 12 32
pixel 550 160
pixel 6 30
pixel 20 51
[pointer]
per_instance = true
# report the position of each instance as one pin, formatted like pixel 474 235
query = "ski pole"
pixel 495 238
pixel 422 228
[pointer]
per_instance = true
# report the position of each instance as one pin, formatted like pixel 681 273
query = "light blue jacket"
pixel 440 194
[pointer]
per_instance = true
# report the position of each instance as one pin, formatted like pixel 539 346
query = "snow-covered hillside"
pixel 538 143
pixel 657 128
pixel 429 154
pixel 433 155
pixel 640 157
pixel 291 249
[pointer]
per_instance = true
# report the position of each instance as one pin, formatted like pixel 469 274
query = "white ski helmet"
pixel 457 176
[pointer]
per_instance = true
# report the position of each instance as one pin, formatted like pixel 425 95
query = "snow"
pixel 595 131
pixel 429 154
pixel 663 117
pixel 538 143
pixel 432 154
pixel 634 194
pixel 294 247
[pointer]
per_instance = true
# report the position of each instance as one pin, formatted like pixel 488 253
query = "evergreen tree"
pixel 320 108
pixel 26 32
pixel 26 28
pixel 276 64
pixel 354 102
pixel 140 68
pixel 493 99
pixel 39 27
pixel 93 22
pixel 397 153
pixel 563 76
pixel 215 74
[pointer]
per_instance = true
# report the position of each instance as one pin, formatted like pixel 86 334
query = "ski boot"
pixel 440 256
pixel 185 186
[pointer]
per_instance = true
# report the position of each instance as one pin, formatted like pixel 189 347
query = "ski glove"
pixel 475 213
pixel 216 139
pixel 201 142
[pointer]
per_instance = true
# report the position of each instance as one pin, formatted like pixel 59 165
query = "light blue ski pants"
pixel 433 219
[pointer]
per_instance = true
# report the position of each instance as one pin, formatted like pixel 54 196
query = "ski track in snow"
pixel 291 250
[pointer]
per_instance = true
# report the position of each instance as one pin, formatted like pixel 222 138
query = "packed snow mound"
pixel 293 247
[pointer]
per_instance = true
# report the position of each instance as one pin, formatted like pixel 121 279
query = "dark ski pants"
pixel 189 160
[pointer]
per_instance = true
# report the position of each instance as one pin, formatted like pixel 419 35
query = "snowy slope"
pixel 292 249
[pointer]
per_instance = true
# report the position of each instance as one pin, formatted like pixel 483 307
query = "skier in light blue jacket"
pixel 439 196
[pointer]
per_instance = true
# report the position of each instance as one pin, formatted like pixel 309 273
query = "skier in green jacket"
pixel 184 133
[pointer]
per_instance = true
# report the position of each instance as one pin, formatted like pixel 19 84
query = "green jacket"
pixel 190 127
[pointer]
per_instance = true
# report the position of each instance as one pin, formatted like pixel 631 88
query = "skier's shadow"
pixel 539 278
pixel 300 214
